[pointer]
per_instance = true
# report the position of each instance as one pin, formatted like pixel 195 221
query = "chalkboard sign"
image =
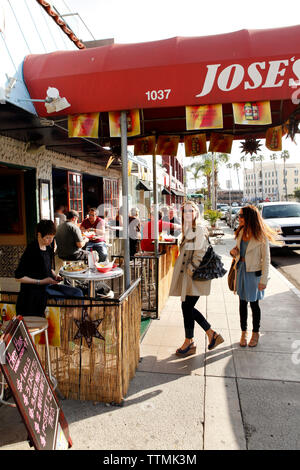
pixel 32 390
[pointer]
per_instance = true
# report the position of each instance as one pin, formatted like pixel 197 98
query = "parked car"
pixel 230 214
pixel 235 220
pixel 223 208
pixel 284 218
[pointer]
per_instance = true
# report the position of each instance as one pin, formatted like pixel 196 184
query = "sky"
pixel 133 21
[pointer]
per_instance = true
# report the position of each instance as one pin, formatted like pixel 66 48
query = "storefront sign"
pixel 144 146
pixel 39 408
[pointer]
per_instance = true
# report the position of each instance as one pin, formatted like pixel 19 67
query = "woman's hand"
pixel 49 280
pixel 261 286
pixel 234 252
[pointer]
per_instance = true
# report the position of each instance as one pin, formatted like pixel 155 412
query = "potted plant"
pixel 212 216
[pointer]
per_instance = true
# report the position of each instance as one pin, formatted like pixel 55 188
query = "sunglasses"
pixel 241 215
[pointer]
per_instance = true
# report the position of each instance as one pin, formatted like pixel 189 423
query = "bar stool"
pixel 37 325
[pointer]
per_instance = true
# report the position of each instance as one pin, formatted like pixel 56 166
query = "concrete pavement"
pixel 229 398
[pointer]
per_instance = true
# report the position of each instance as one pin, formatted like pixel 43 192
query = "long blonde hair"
pixel 197 218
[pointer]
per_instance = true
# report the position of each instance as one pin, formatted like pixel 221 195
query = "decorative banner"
pixel 252 113
pixel 133 123
pixel 53 316
pixel 204 117
pixel 7 311
pixel 274 138
pixel 129 167
pixel 167 145
pixel 109 162
pixel 83 125
pixel 144 146
pixel 195 145
pixel 221 143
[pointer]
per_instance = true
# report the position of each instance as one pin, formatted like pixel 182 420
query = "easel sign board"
pixel 32 390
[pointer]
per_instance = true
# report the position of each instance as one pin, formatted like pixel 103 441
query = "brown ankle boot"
pixel 254 340
pixel 243 340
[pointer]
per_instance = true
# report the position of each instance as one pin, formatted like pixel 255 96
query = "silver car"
pixel 284 218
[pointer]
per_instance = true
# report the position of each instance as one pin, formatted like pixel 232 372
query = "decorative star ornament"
pixel 88 328
pixel 251 146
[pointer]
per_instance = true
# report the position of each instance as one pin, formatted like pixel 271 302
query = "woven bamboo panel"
pixel 165 273
pixel 103 371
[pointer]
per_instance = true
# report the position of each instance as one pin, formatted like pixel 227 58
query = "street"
pixel 288 263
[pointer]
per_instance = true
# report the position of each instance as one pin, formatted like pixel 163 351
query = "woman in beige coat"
pixel 252 254
pixel 192 249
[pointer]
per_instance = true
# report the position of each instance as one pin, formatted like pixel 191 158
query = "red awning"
pixel 240 66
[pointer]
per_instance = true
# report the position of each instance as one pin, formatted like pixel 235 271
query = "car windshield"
pixel 281 211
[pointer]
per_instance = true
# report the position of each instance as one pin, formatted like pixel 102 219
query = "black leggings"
pixel 255 315
pixel 190 315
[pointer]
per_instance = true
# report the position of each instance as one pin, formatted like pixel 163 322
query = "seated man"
pixel 95 224
pixel 148 231
pixel 69 239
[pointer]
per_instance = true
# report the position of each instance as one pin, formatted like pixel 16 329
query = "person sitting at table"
pixel 174 220
pixel 59 214
pixel 36 275
pixel 94 223
pixel 134 231
pixel 148 231
pixel 69 240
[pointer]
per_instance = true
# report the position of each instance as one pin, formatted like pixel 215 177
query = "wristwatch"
pixel 38 282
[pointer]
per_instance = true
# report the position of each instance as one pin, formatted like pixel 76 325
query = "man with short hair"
pixel 69 239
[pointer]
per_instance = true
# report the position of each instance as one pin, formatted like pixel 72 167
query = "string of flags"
pixel 204 117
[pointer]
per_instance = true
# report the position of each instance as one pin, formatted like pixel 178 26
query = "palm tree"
pixel 243 160
pixel 274 157
pixel 253 159
pixel 229 166
pixel 202 166
pixel 237 168
pixel 260 159
pixel 285 155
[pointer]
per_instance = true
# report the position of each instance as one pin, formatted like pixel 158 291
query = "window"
pixel 296 180
pixel 111 196
pixel 296 172
pixel 75 193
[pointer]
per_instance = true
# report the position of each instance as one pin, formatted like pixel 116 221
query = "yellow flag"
pixel 83 125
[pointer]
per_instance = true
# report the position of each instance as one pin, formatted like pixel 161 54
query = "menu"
pixel 32 390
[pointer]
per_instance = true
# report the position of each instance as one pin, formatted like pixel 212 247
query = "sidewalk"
pixel 229 398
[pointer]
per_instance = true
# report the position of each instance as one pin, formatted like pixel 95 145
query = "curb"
pixel 287 282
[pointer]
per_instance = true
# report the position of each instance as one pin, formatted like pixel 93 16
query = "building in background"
pixel 226 196
pixel 274 182
pixel 174 179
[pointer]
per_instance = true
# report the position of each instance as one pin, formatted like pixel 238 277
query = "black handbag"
pixel 211 266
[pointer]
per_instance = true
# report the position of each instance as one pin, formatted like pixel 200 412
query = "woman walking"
pixel 252 255
pixel 192 249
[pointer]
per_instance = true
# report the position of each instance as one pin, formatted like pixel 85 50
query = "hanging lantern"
pixel 251 146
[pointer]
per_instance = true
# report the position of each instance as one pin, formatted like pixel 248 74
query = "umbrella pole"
pixel 213 181
pixel 124 156
pixel 155 214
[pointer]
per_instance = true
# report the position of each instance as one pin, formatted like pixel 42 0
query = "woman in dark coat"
pixel 35 272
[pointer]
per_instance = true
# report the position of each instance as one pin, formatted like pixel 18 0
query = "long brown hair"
pixel 255 226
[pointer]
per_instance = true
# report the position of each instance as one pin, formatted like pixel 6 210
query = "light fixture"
pixel 11 82
pixel 53 101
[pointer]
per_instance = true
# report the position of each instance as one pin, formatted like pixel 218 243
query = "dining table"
pixel 92 276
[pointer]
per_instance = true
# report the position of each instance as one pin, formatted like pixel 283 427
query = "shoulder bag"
pixel 211 266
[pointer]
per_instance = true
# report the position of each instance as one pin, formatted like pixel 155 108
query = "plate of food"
pixel 89 235
pixel 75 268
pixel 105 267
